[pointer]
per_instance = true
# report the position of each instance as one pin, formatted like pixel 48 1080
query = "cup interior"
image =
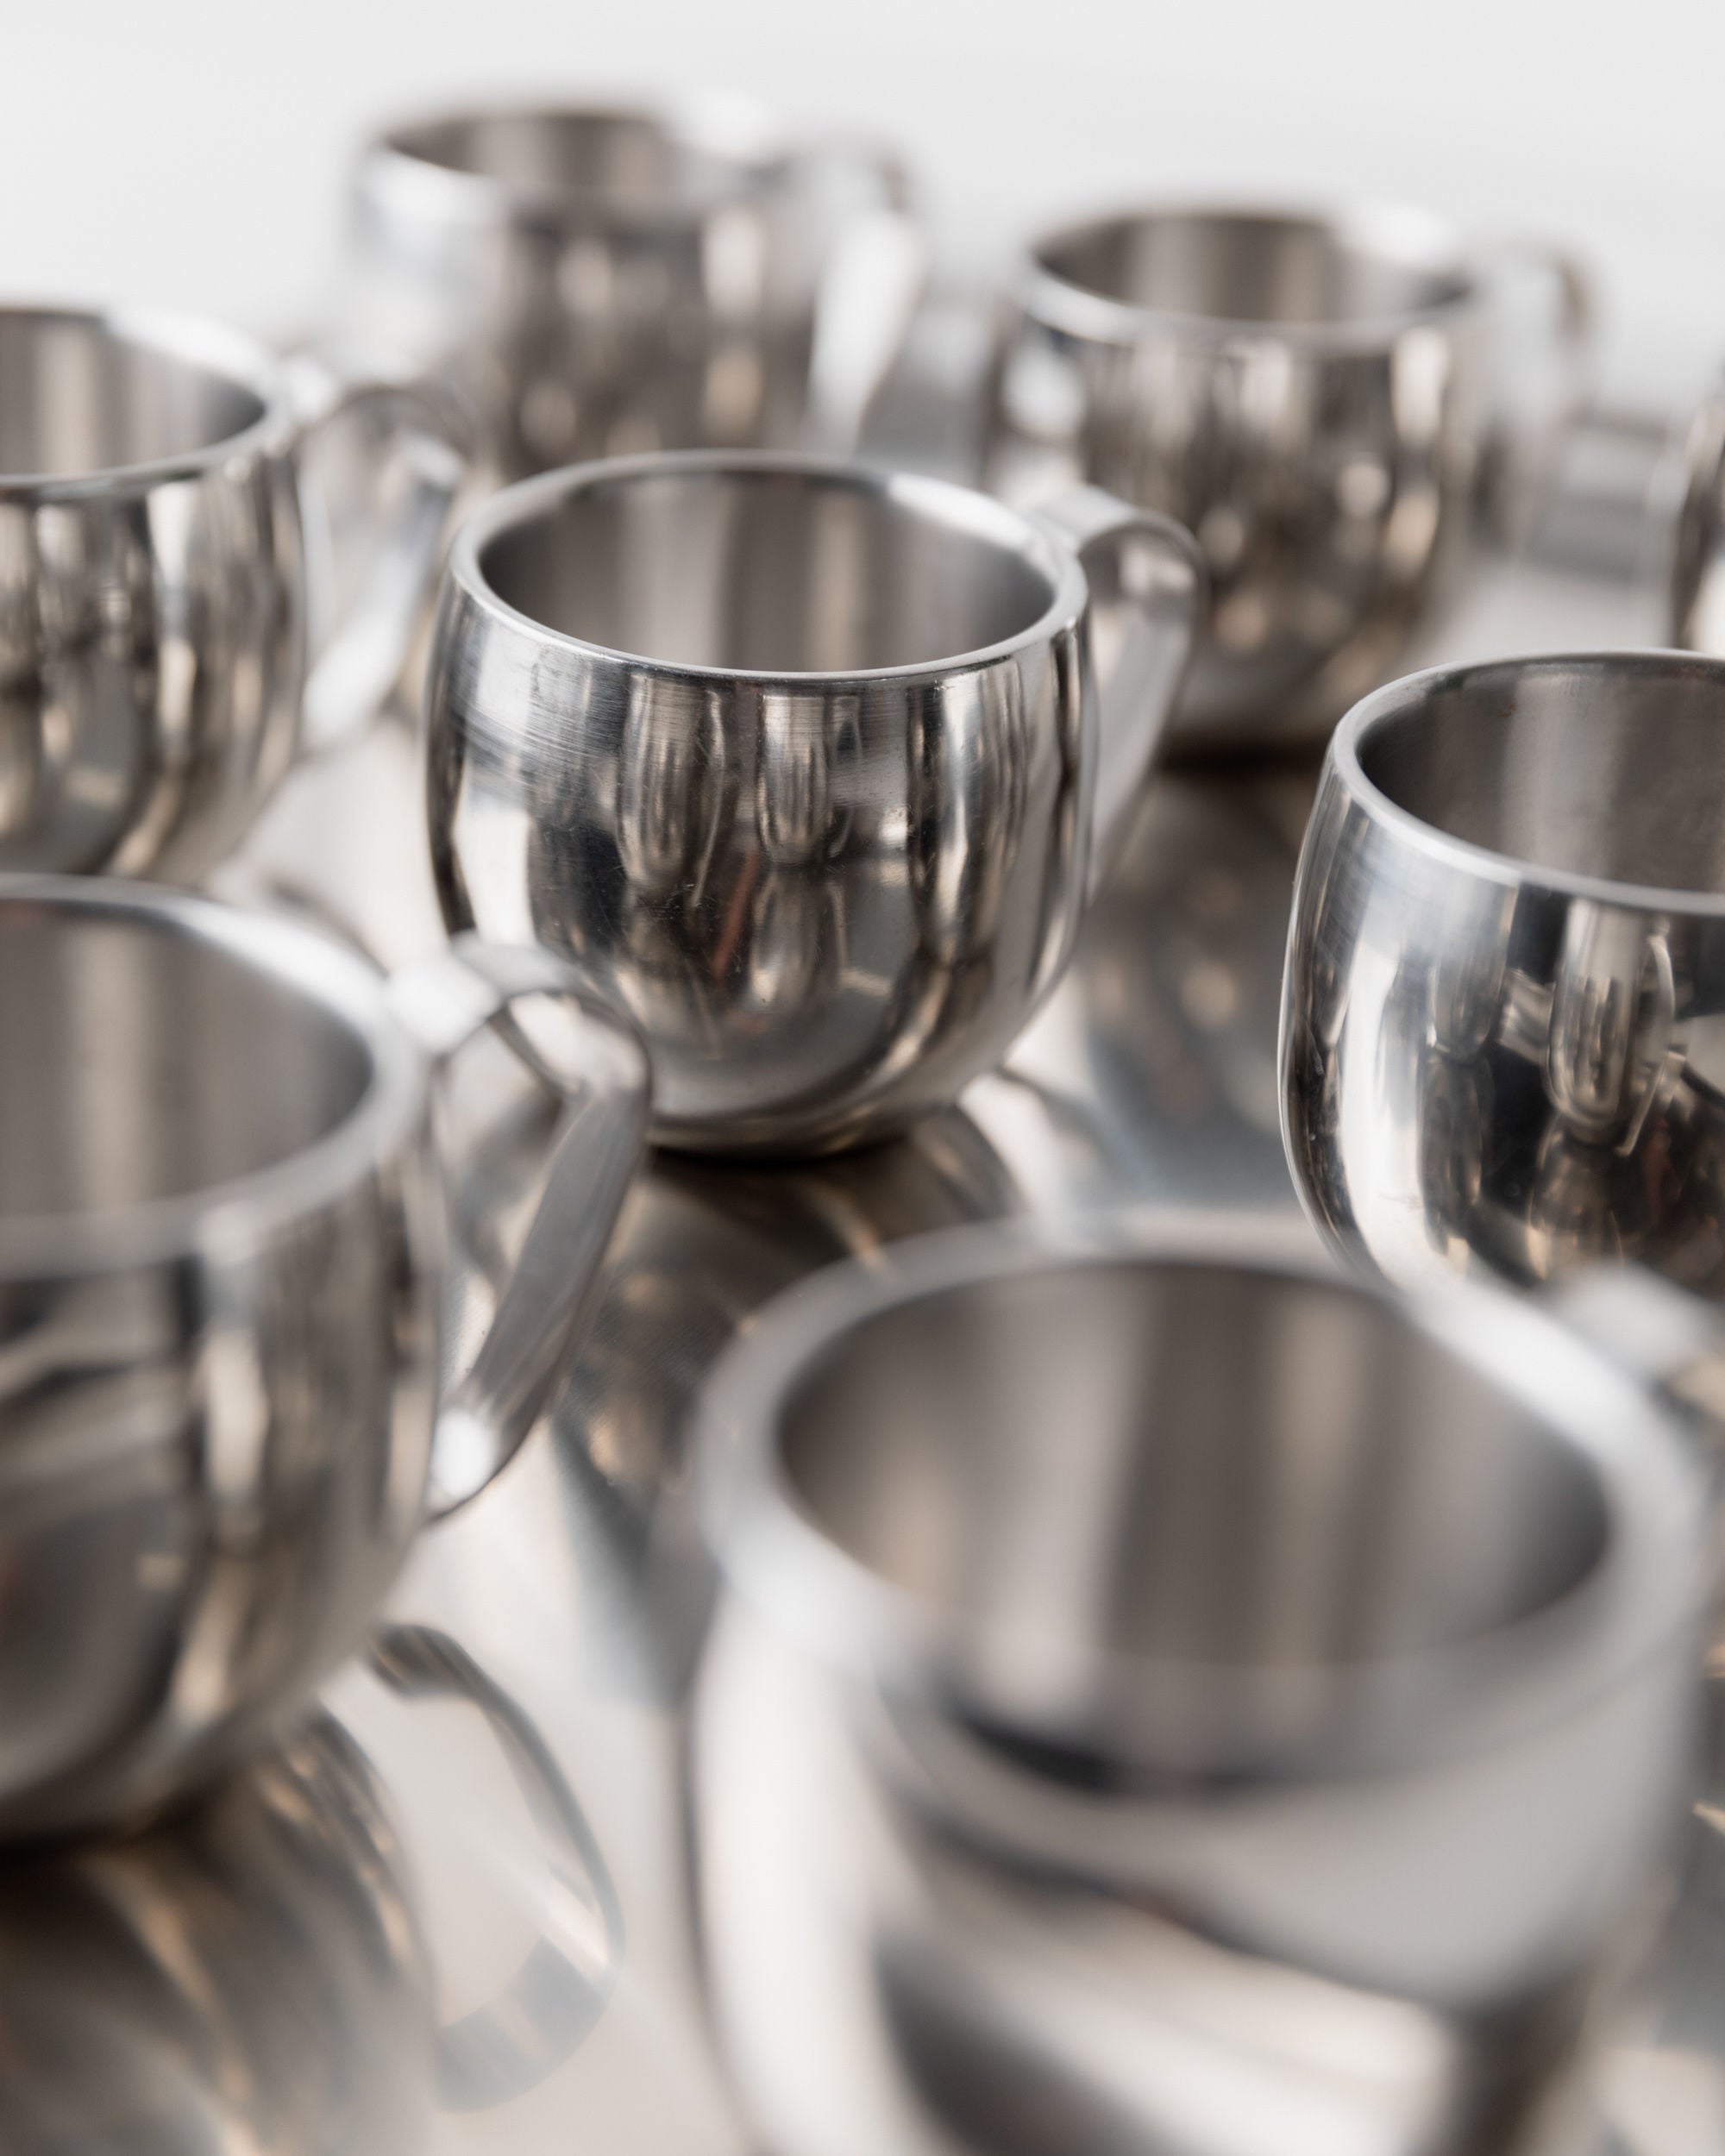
pixel 1187 1465
pixel 141 1059
pixel 766 569
pixel 1288 272
pixel 79 396
pixel 1611 768
pixel 616 155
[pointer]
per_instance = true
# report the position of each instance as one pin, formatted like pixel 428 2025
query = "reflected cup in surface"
pixel 808 768
pixel 1171 1695
pixel 222 1294
pixel 1513 890
pixel 1324 399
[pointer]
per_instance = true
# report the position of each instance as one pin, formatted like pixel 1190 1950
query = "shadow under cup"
pixel 1196 1646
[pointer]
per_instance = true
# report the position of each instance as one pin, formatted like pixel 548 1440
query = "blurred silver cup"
pixel 1504 1014
pixel 1170 1696
pixel 1332 403
pixel 606 279
pixel 156 671
pixel 223 1291
pixel 809 767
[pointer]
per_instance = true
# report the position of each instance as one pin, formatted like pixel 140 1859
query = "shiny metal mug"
pixel 809 767
pixel 1328 401
pixel 603 279
pixel 1504 1014
pixel 156 584
pixel 223 1293
pixel 1171 1695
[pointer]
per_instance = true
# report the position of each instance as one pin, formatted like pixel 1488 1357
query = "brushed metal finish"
pixel 603 279
pixel 809 768
pixel 1152 1694
pixel 223 1288
pixel 1321 398
pixel 1504 1021
pixel 156 675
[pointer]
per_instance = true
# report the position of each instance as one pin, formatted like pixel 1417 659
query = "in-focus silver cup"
pixel 1504 1014
pixel 810 769
pixel 157 582
pixel 603 279
pixel 1171 1695
pixel 224 1279
pixel 1331 402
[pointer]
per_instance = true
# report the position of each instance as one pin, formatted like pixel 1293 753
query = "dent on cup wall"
pixel 1337 405
pixel 606 279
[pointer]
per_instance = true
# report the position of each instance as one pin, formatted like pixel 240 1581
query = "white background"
pixel 196 151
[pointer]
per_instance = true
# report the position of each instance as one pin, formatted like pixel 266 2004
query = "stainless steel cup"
pixel 223 1288
pixel 156 678
pixel 605 279
pixel 1171 1695
pixel 1504 1014
pixel 809 767
pixel 1329 401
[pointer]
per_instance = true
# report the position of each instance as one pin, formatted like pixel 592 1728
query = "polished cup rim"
pixel 189 339
pixel 782 1563
pixel 1094 317
pixel 939 500
pixel 1397 698
pixel 744 138
pixel 238 1212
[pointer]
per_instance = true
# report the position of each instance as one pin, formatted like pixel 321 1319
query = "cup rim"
pixel 235 1214
pixel 1396 698
pixel 744 138
pixel 193 341
pixel 943 500
pixel 1094 317
pixel 781 1563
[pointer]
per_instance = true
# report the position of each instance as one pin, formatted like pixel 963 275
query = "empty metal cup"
pixel 1503 1015
pixel 156 671
pixel 1329 401
pixel 809 767
pixel 600 279
pixel 223 1291
pixel 1170 1696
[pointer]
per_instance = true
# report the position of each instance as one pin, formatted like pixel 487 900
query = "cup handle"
pixel 1525 430
pixel 501 2050
pixel 868 290
pixel 1148 589
pixel 583 1052
pixel 352 677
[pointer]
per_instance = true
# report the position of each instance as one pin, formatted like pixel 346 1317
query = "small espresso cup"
pixel 223 1272
pixel 156 582
pixel 1504 1014
pixel 607 279
pixel 1329 402
pixel 1152 1694
pixel 811 768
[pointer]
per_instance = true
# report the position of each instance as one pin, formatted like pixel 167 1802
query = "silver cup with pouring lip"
pixel 1168 1694
pixel 593 279
pixel 223 1277
pixel 160 591
pixel 811 768
pixel 1331 401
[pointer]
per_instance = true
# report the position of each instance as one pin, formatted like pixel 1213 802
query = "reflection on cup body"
pixel 809 768
pixel 1145 1696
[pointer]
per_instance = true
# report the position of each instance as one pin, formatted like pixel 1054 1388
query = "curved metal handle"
pixel 352 678
pixel 584 1052
pixel 1149 588
pixel 1525 430
pixel 869 291
pixel 548 2008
